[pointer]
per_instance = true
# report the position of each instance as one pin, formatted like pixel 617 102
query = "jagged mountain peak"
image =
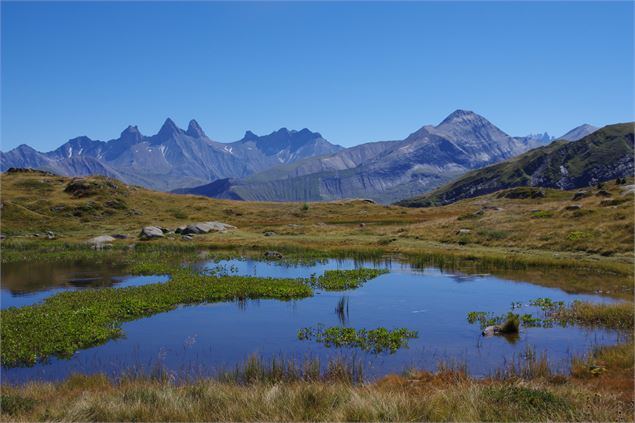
pixel 194 130
pixel 169 128
pixel 131 134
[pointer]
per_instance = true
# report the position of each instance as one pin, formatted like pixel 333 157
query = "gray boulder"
pixel 101 242
pixel 491 330
pixel 573 207
pixel 206 227
pixel 151 232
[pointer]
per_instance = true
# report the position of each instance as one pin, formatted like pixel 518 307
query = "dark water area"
pixel 200 340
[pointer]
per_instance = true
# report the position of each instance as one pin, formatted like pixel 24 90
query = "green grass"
pixel 374 340
pixel 340 280
pixel 69 321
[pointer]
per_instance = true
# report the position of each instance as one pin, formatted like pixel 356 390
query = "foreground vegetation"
pixel 261 391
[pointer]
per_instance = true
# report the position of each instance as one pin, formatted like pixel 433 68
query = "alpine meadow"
pixel 317 211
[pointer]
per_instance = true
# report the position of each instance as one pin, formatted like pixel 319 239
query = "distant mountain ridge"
pixel 579 132
pixel 604 154
pixel 384 171
pixel 173 158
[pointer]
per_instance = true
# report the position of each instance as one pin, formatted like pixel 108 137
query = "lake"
pixel 200 340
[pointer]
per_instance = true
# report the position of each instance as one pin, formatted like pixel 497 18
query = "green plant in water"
pixel 339 280
pixel 374 340
pixel 69 321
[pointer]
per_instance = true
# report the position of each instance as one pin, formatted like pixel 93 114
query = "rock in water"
pixel 151 232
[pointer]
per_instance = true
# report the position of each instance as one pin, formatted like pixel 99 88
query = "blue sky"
pixel 355 72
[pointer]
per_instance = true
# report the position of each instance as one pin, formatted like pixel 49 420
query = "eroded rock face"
pixel 151 232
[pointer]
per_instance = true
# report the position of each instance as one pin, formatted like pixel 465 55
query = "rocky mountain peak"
pixel 131 134
pixel 169 129
pixel 194 130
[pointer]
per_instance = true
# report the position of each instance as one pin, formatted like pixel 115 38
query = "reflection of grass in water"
pixel 342 309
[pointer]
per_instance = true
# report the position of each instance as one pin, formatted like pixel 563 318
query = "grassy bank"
pixel 257 393
pixel 598 234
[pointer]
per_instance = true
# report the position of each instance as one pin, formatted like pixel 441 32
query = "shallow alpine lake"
pixel 201 340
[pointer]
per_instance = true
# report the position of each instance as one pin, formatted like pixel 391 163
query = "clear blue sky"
pixel 355 72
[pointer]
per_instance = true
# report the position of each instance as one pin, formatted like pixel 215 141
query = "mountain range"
pixel 286 165
pixel 173 158
pixel 383 171
pixel 602 155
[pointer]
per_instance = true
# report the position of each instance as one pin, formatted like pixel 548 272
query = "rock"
pixel 151 232
pixel 603 193
pixel 573 207
pixel 119 236
pixel 361 225
pixel 463 231
pixel 273 255
pixel 101 239
pixel 579 194
pixel 2 236
pixel 270 233
pixel 180 229
pixel 491 330
pixel 164 230
pixel 50 235
pixel 628 189
pixel 186 237
pixel 494 208
pixel 205 227
pixel 101 242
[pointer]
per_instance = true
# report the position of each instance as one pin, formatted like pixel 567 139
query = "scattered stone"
pixel 101 239
pixel 580 194
pixel 151 232
pixel 273 255
pixel 101 242
pixel 2 236
pixel 50 235
pixel 463 231
pixel 573 207
pixel 628 189
pixel 120 236
pixel 491 330
pixel 186 237
pixel 205 227
pixel 164 230
pixel 494 208
pixel 603 193
pixel 270 233
pixel 361 225
pixel 180 229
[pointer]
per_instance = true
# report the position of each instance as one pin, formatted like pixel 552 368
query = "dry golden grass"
pixel 445 396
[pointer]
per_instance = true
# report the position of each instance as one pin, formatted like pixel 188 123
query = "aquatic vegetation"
pixel 615 316
pixel 73 320
pixel 340 280
pixel 374 340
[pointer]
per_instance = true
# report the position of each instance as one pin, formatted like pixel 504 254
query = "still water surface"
pixel 200 340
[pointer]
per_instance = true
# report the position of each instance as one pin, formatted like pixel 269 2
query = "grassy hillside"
pixel 603 155
pixel 494 227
